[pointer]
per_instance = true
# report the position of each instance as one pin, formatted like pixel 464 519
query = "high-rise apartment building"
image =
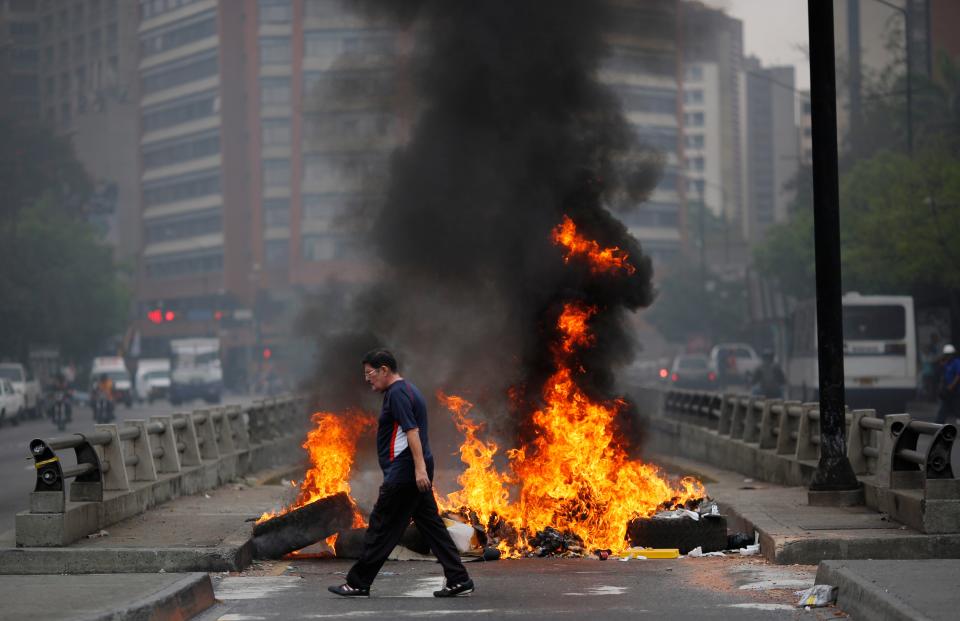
pixel 643 70
pixel 713 109
pixel 265 130
pixel 772 146
pixel 20 58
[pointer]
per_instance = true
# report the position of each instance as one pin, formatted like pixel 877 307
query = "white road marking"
pixel 602 590
pixel 425 587
pixel 401 613
pixel 237 617
pixel 783 583
pixel 758 606
pixel 254 587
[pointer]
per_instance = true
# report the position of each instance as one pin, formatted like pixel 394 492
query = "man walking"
pixel 949 381
pixel 403 448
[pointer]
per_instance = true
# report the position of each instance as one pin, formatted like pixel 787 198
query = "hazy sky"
pixel 773 30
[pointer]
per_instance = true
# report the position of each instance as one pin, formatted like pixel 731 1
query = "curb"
pixel 235 554
pixel 863 599
pixel 184 599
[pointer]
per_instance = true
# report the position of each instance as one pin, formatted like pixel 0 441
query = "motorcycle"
pixel 102 409
pixel 60 411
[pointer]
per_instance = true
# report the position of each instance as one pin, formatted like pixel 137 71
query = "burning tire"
pixel 302 527
pixel 710 533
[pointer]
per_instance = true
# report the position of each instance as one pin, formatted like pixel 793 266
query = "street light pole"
pixel 834 481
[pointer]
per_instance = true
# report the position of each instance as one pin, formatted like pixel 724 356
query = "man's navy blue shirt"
pixel 403 409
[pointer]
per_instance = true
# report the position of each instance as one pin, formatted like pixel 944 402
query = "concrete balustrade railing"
pixel 914 484
pixel 124 469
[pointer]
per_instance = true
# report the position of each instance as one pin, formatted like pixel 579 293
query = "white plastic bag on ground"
pixel 463 535
pixel 817 595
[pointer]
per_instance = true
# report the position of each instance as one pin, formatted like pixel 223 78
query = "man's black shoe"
pixel 453 590
pixel 348 591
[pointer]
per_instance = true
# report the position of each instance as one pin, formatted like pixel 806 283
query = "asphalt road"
pixel 16 466
pixel 704 588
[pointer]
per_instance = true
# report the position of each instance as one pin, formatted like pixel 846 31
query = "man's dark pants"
pixel 397 503
pixel 948 407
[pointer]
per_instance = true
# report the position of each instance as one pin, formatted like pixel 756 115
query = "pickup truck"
pixel 24 384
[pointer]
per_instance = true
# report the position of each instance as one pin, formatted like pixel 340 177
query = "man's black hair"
pixel 377 358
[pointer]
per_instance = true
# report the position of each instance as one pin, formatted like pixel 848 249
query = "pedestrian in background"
pixel 403 448
pixel 949 381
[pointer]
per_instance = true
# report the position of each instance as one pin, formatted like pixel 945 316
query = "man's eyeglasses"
pixel 369 374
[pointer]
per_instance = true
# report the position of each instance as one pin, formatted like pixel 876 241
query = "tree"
pixel 686 306
pixel 58 283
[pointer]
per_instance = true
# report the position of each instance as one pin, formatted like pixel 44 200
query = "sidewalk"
pixel 791 531
pixel 129 596
pixel 895 591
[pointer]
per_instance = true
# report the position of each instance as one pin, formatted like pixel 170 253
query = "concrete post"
pixel 768 421
pixel 893 426
pixel 726 414
pixel 750 431
pixel 170 460
pixel 224 430
pixel 785 444
pixel 206 434
pixel 145 468
pixel 857 439
pixel 115 478
pixel 239 422
pixel 188 436
pixel 807 449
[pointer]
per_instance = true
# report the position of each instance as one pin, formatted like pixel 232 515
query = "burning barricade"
pixel 570 490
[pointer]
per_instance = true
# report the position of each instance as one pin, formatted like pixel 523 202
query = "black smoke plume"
pixel 512 131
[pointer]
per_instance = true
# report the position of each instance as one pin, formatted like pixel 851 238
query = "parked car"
pixel 23 383
pixel 692 371
pixel 734 362
pixel 11 403
pixel 152 380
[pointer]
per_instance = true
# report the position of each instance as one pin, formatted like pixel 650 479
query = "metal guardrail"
pixel 883 451
pixel 115 460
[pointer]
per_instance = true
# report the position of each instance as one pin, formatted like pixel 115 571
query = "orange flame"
pixel 575 476
pixel 600 259
pixel 331 445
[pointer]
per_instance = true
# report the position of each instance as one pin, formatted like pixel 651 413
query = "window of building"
pixel 275 11
pixel 276 132
pixel 694 73
pixel 184 226
pixel 112 37
pixel 328 247
pixel 275 51
pixel 50 86
pixel 696 163
pixel 694 141
pixel 276 212
pixel 323 8
pixel 693 119
pixel 48 55
pixel 65 113
pixel 94 13
pixel 152 8
pixel 660 138
pixel 181 150
pixel 179 266
pixel 693 96
pixel 183 187
pixel 182 33
pixel 348 85
pixel 352 168
pixel 648 99
pixel 276 173
pixel 181 72
pixel 79 46
pixel 64 83
pixel 64 51
pixel 179 111
pixel 77 14
pixel 276 252
pixel 274 91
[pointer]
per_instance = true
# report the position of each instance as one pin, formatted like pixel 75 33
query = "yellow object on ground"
pixel 651 553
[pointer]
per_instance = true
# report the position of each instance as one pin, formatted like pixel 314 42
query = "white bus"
pixel 879 352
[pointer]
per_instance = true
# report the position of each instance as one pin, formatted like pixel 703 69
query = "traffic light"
pixel 267 353
pixel 155 315
pixel 169 316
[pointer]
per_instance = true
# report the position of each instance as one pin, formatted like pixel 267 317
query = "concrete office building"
pixel 643 69
pixel 265 130
pixel 772 146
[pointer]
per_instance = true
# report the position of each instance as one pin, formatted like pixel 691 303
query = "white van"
pixel 152 379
